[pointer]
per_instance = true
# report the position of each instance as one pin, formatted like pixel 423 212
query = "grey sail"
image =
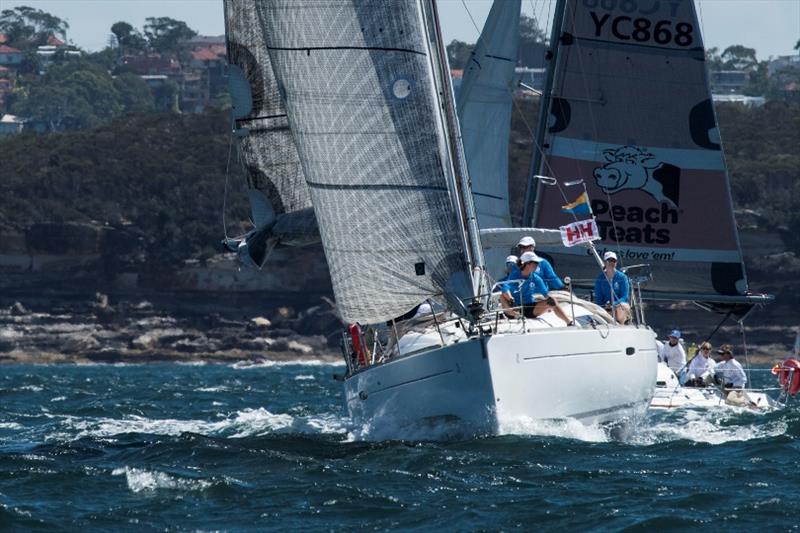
pixel 631 114
pixel 279 198
pixel 484 112
pixel 357 79
pixel 485 101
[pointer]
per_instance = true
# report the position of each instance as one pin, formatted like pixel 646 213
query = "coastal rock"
pixel 18 309
pixel 158 337
pixel 80 343
pixel 259 322
pixel 299 347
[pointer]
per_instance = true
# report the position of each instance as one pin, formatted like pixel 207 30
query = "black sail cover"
pixel 266 146
pixel 631 114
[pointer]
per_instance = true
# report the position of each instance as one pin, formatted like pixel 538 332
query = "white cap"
pixel 511 259
pixel 609 255
pixel 528 257
pixel 526 241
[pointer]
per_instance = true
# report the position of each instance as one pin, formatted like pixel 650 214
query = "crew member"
pixel 545 269
pixel 730 370
pixel 532 295
pixel 611 278
pixel 701 368
pixel 673 353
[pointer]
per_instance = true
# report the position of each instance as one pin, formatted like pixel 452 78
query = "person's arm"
pixel 549 275
pixel 624 290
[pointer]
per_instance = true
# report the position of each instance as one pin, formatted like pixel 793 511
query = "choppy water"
pixel 269 447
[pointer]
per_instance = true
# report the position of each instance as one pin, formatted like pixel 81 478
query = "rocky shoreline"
pixel 75 330
pixel 159 327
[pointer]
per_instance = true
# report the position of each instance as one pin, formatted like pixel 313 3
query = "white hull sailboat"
pixel 670 394
pixel 364 87
pixel 497 383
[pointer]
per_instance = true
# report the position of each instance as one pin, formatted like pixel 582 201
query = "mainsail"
pixel 631 114
pixel 279 198
pixel 359 86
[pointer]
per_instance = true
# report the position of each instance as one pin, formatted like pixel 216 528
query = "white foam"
pixel 569 429
pixel 709 426
pixel 246 365
pixel 219 388
pixel 245 423
pixel 305 377
pixel 10 425
pixel 140 480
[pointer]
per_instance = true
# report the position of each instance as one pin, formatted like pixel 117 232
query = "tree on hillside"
pixel 71 95
pixel 165 34
pixel 134 94
pixel 26 26
pixel 129 39
pixel 458 53
pixel 738 57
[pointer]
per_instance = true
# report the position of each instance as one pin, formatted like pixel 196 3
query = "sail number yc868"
pixel 642 29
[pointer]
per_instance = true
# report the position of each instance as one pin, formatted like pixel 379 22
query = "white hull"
pixel 489 385
pixel 669 394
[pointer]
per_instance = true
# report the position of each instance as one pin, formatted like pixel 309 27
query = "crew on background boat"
pixel 673 353
pixel 610 278
pixel 730 370
pixel 701 367
pixel 532 295
pixel 545 269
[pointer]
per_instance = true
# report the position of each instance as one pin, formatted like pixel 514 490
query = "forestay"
pixel 631 114
pixel 266 148
pixel 484 112
pixel 358 84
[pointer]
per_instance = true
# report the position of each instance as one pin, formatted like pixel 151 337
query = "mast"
pixel 463 191
pixel 544 112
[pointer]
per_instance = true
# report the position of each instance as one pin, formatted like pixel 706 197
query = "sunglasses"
pixel 611 260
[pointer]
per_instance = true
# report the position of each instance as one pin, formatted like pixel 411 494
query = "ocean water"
pixel 259 447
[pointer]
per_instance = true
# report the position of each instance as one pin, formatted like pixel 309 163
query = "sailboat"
pixel 369 103
pixel 630 118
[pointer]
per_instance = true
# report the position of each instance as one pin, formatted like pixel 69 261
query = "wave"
pixel 244 423
pixel 141 480
pixel 246 365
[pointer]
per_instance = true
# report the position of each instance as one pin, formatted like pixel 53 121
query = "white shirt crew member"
pixel 700 367
pixel 674 356
pixel 732 372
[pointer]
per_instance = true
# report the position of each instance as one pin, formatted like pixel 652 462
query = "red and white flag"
pixel 579 232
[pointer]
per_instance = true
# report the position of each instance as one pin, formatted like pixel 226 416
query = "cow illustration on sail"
pixel 632 167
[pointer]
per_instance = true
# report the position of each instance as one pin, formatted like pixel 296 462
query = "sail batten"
pixel 631 114
pixel 357 80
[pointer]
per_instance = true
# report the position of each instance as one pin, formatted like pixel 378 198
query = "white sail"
pixel 358 83
pixel 277 189
pixel 484 112
pixel 631 114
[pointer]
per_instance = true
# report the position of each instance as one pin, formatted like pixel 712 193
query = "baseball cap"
pixel 512 259
pixel 529 257
pixel 526 241
pixel 609 255
pixel 675 333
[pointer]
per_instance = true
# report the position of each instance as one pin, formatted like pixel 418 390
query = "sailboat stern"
pixel 590 376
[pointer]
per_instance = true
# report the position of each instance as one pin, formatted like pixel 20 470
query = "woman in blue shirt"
pixel 613 278
pixel 532 295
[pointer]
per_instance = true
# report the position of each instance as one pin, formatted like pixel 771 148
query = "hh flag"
pixel 579 232
pixel 579 207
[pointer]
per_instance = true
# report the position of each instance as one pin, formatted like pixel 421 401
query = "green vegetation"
pixel 161 176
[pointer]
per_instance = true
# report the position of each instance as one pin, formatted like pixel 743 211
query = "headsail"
pixel 277 189
pixel 631 114
pixel 484 112
pixel 358 83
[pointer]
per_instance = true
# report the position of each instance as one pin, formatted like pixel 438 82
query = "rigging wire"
pixel 227 178
pixel 464 3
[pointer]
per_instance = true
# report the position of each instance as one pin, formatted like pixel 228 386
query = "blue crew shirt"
pixel 602 290
pixel 531 286
pixel 548 275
